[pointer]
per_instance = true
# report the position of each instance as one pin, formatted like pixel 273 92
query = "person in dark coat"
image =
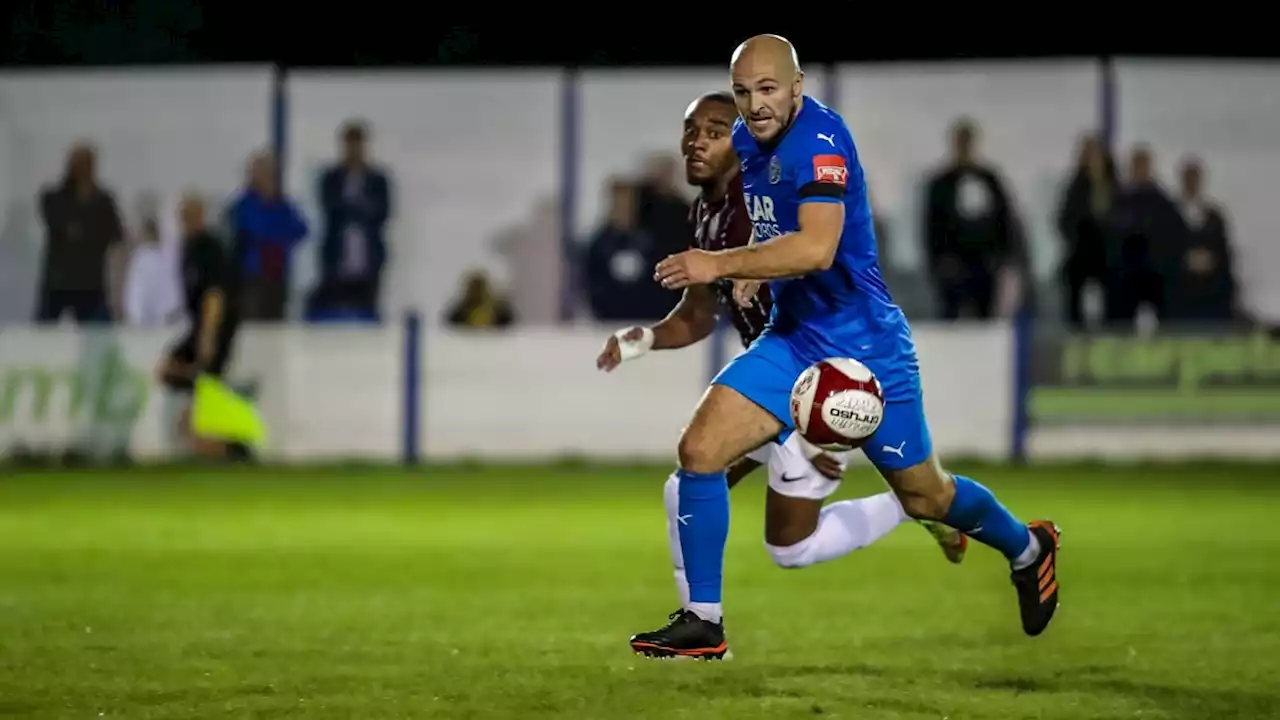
pixel 1083 226
pixel 355 196
pixel 84 244
pixel 1148 232
pixel 619 264
pixel 969 228
pixel 1201 286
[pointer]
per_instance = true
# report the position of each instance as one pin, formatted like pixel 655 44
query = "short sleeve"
pixel 214 266
pixel 822 169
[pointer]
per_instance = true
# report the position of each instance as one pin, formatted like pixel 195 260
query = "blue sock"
pixel 977 513
pixel 704 528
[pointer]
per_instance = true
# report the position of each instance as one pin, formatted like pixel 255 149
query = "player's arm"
pixel 212 306
pixel 689 322
pixel 213 303
pixel 820 180
pixel 820 184
pixel 692 320
pixel 812 248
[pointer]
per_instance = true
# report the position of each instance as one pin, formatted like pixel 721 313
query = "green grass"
pixel 509 593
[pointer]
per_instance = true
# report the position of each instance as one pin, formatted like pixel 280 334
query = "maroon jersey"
pixel 721 225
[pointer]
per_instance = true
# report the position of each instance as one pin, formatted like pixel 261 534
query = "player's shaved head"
pixel 767 84
pixel 773 51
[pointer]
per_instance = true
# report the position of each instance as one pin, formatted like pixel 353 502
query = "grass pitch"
pixel 510 593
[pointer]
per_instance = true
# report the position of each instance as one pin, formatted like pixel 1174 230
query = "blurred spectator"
pixel 84 253
pixel 151 290
pixel 479 306
pixel 355 196
pixel 620 261
pixel 266 227
pixel 1148 233
pixel 969 228
pixel 533 252
pixel 1201 285
pixel 664 213
pixel 1083 225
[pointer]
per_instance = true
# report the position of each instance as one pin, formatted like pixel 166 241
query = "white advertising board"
pixel 330 394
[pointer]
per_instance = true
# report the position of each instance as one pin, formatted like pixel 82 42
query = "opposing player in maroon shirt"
pixel 799 530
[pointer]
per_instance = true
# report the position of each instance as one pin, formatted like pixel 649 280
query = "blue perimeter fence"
pixel 570 155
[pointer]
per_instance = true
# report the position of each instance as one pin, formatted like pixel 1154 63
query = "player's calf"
pixel 925 490
pixel 725 426
pixel 929 493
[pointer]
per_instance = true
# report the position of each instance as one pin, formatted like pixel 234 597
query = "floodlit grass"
pixel 457 593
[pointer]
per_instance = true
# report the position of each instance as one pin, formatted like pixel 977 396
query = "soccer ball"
pixel 837 404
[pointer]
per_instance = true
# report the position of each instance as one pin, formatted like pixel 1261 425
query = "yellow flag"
pixel 219 412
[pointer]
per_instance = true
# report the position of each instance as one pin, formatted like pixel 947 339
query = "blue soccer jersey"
pixel 846 310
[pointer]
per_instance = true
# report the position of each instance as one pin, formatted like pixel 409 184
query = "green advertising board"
pixel 107 390
pixel 1172 379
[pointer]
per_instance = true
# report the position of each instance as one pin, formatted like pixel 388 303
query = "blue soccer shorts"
pixel 765 373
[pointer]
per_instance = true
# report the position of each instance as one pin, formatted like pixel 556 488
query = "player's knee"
pixel 795 555
pixel 697 453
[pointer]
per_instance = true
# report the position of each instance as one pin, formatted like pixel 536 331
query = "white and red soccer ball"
pixel 837 404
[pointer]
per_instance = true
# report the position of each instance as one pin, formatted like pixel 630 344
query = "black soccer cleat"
pixel 1037 584
pixel 686 636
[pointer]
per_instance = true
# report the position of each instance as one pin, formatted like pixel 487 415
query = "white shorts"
pixel 791 473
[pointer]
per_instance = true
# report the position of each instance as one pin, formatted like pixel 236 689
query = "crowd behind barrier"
pixel 1088 243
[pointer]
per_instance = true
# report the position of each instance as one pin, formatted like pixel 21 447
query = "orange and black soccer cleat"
pixel 1037 584
pixel 686 636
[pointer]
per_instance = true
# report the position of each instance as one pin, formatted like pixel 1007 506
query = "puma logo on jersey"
pixel 831 139
pixel 895 450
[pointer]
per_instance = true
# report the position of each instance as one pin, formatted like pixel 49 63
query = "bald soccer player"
pixel 799 530
pixel 806 196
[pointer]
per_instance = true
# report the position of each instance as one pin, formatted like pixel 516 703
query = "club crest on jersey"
pixel 775 170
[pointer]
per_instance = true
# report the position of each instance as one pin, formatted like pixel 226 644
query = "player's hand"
pixel 624 345
pixel 829 466
pixel 171 370
pixel 744 291
pixel 691 267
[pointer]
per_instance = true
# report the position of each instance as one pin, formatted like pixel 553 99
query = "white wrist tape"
pixel 631 349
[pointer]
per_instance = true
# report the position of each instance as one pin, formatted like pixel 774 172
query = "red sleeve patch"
pixel 830 169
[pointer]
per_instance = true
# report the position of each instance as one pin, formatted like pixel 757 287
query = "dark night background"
pixel 68 32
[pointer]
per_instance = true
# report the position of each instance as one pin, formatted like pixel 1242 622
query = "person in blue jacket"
pixel 266 227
